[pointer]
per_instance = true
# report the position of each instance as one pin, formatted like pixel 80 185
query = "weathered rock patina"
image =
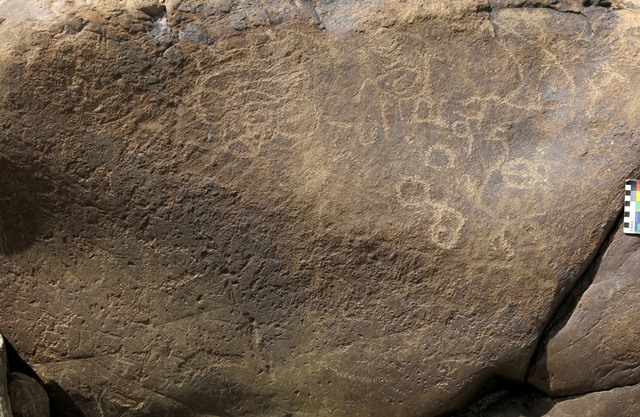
pixel 303 208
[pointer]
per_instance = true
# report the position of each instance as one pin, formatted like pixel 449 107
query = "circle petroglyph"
pixel 439 157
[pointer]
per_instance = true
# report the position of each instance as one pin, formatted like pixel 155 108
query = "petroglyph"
pixel 502 245
pixel 440 157
pixel 238 95
pixel 522 173
pixel 445 230
pixel 392 114
pixel 399 82
pixel 553 83
pixel 413 192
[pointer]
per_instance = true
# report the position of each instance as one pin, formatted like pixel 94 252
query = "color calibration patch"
pixel 631 207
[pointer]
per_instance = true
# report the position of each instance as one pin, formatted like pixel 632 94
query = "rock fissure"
pixel 585 9
pixel 590 392
pixel 564 309
pixel 545 4
pixel 530 402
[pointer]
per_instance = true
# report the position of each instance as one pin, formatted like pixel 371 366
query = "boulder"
pixel 303 208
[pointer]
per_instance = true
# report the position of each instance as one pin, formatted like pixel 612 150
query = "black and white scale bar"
pixel 631 208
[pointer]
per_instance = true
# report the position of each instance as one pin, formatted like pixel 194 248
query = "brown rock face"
pixel 303 208
pixel 598 346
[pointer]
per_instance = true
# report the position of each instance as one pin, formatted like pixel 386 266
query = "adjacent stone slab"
pixel 5 404
pixel 598 346
pixel 28 397
pixel 269 209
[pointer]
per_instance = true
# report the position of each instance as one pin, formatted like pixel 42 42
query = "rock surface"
pixel 28 398
pixel 598 346
pixel 303 208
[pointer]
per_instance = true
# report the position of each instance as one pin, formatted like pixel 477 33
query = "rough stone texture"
pixel 28 398
pixel 5 404
pixel 617 402
pixel 598 346
pixel 303 208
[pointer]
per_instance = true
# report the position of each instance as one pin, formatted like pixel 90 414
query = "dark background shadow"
pixel 60 403
pixel 509 399
pixel 24 194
